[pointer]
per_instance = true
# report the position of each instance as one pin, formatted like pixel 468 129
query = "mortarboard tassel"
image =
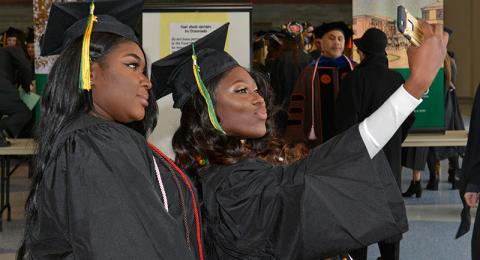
pixel 203 90
pixel 350 43
pixel 85 59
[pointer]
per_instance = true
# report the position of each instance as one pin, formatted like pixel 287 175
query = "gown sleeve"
pixel 97 203
pixel 347 109
pixel 22 65
pixel 335 200
pixel 377 129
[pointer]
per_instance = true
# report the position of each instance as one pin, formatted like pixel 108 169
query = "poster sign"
pixel 182 34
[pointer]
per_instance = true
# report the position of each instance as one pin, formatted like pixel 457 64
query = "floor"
pixel 433 221
pixel 12 232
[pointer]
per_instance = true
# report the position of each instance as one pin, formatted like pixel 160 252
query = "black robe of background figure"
pixel 284 73
pixel 14 68
pixel 103 201
pixel 361 93
pixel 453 118
pixel 470 180
pixel 335 200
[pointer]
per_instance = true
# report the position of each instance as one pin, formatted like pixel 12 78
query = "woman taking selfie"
pixel 257 204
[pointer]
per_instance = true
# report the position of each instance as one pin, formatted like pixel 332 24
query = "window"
pixel 439 14
pixel 424 14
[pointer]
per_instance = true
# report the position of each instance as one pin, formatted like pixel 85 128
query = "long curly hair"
pixel 62 102
pixel 197 143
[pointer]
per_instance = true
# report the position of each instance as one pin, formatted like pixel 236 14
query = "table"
pixel 449 138
pixel 18 147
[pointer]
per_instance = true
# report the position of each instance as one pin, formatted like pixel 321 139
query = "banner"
pixel 166 32
pixel 430 115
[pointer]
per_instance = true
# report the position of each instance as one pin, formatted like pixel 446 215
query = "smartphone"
pixel 409 26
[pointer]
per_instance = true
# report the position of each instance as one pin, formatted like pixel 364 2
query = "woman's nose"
pixel 257 98
pixel 145 82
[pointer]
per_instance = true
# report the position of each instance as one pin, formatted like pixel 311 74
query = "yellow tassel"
pixel 85 60
pixel 204 92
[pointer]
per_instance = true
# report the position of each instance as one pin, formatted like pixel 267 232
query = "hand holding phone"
pixel 409 26
pixel 425 60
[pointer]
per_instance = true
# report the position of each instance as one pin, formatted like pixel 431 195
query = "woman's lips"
pixel 261 114
pixel 143 100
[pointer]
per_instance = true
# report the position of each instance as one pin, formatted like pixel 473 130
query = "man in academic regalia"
pixel 361 93
pixel 311 110
pixel 14 67
pixel 470 181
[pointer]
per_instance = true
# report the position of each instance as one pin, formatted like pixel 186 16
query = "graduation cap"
pixel 293 29
pixel 30 36
pixel 275 39
pixel 69 21
pixel 183 72
pixel 13 32
pixel 323 29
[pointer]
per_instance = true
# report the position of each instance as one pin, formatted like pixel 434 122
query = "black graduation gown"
pixel 335 200
pixel 14 67
pixel 361 93
pixel 453 118
pixel 470 180
pixel 287 69
pixel 312 103
pixel 99 199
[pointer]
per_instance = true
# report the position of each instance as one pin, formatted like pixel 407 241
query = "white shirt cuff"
pixel 377 129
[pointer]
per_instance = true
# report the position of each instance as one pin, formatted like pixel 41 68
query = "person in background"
pixel 308 38
pixel 30 47
pixel 312 104
pixel 260 52
pixel 274 41
pixel 453 121
pixel 288 67
pixel 12 37
pixel 307 44
pixel 259 204
pixel 414 158
pixel 29 129
pixel 361 93
pixel 99 190
pixel 470 179
pixel 14 114
pixel 333 38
